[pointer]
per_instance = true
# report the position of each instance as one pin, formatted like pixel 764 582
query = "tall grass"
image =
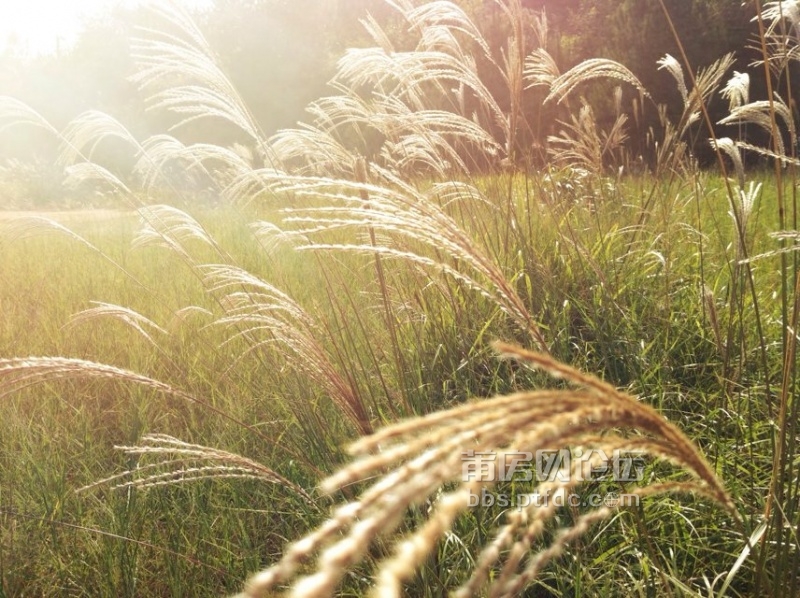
pixel 395 235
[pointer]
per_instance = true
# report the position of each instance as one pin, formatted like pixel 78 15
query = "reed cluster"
pixel 396 234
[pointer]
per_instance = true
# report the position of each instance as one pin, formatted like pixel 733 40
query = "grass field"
pixel 629 305
pixel 187 392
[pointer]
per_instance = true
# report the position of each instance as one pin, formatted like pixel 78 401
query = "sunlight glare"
pixel 39 27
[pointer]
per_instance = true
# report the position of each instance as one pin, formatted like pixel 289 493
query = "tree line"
pixel 281 54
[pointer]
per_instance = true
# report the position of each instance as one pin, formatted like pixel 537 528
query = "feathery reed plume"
pixel 674 68
pixel 219 166
pixel 580 145
pixel 759 113
pixel 87 131
pixel 413 221
pixel 706 82
pixel 780 10
pixel 419 80
pixel 184 56
pixel 740 214
pixel 14 113
pixel 30 226
pixel 414 459
pixel 448 14
pixel 80 173
pixel 541 69
pixel 709 78
pixel 180 462
pixel 431 107
pixel 727 146
pixel 310 149
pixel 782 158
pixel 737 90
pixel 747 199
pixel 594 68
pixel 166 226
pixel 783 236
pixel 81 139
pixel 264 315
pixel 711 306
pixel 541 29
pixel 138 322
pixel 20 373
pixel 271 237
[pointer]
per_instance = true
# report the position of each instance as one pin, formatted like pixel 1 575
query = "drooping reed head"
pixel 423 459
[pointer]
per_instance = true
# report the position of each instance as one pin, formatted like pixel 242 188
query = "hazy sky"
pixel 39 26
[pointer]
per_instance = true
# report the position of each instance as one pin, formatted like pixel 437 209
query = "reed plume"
pixel 416 229
pixel 180 462
pixel 423 460
pixel 266 316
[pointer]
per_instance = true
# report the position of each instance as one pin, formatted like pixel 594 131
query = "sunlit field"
pixel 243 355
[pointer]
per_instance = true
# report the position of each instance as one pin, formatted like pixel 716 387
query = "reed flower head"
pixel 422 459
pixel 737 90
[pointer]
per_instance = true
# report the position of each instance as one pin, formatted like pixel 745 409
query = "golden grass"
pixel 421 460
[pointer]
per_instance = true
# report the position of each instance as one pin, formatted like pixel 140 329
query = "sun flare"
pixel 43 26
pixel 40 27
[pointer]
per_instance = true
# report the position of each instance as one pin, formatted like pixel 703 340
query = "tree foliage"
pixel 281 54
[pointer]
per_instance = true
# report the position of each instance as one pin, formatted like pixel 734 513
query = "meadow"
pixel 285 380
